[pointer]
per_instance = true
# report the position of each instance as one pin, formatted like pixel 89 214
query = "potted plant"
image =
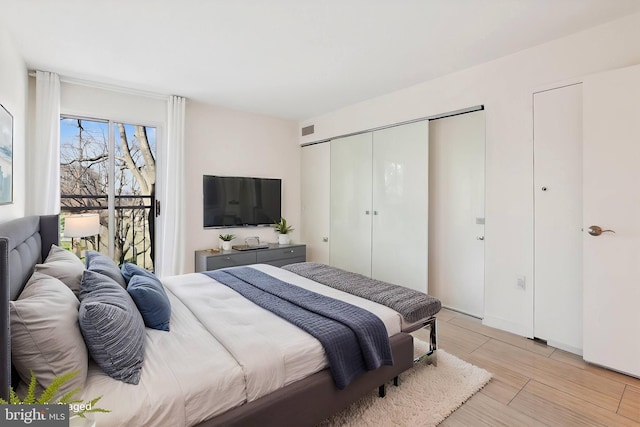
pixel 226 241
pixel 283 229
pixel 78 409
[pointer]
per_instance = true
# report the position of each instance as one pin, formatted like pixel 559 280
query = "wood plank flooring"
pixel 534 384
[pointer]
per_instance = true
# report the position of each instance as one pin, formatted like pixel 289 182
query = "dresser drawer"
pixel 231 260
pixel 285 253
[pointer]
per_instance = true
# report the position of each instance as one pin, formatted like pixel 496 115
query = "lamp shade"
pixel 82 225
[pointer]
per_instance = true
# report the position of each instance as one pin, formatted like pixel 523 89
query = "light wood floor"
pixel 533 384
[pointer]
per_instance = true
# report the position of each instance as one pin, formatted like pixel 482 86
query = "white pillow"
pixel 64 266
pixel 45 335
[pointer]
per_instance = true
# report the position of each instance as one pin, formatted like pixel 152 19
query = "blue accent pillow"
pixel 100 263
pixel 112 327
pixel 152 301
pixel 129 270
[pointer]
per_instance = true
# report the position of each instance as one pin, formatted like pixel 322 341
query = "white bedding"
pixel 189 376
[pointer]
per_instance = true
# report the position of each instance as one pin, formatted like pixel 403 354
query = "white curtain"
pixel 43 155
pixel 171 245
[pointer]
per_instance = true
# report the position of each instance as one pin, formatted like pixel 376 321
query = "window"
pixel 108 168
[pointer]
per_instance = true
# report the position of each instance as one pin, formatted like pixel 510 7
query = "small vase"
pixel 283 239
pixel 226 246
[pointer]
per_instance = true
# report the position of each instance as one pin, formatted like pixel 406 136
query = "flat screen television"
pixel 231 201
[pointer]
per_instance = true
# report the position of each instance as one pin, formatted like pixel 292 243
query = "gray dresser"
pixel 277 255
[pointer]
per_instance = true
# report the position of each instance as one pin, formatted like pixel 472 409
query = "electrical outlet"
pixel 522 282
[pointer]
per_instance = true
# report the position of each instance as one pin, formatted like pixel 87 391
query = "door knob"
pixel 596 230
pixel 480 237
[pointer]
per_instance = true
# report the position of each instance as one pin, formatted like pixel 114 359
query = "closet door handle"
pixel 367 212
pixel 375 212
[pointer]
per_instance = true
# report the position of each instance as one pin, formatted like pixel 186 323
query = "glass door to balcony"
pixel 108 168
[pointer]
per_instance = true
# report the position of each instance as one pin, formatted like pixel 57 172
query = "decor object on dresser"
pixel 283 231
pixel 81 226
pixel 226 241
pixel 6 156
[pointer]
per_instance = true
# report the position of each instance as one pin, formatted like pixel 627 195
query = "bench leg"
pixel 382 390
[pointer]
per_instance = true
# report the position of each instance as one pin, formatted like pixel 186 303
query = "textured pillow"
pixel 45 336
pixel 102 264
pixel 112 327
pixel 129 270
pixel 64 266
pixel 151 300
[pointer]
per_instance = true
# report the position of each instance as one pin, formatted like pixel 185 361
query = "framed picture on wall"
pixel 6 156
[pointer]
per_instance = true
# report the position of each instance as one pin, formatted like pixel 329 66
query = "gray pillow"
pixel 64 266
pixel 45 337
pixel 102 264
pixel 112 327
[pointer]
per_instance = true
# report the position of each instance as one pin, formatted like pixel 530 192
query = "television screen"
pixel 240 201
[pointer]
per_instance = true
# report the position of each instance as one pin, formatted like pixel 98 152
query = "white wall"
pixel 219 141
pixel 13 96
pixel 505 88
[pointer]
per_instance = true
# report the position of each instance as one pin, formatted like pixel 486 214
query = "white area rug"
pixel 426 396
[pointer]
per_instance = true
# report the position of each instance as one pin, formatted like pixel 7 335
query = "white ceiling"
pixel 287 58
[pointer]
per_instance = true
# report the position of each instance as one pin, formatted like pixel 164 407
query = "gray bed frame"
pixel 26 241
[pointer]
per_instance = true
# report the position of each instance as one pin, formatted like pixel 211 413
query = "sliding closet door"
pixel 350 239
pixel 400 199
pixel 315 198
pixel 456 211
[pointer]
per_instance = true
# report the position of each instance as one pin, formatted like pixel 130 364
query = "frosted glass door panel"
pixel 315 173
pixel 350 240
pixel 400 205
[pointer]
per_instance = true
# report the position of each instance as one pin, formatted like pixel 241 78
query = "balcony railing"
pixel 133 219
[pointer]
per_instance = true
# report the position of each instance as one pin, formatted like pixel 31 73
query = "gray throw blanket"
pixel 411 304
pixel 354 339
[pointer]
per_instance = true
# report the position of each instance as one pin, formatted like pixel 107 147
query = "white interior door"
pixel 315 197
pixel 350 234
pixel 456 211
pixel 611 183
pixel 400 205
pixel 557 133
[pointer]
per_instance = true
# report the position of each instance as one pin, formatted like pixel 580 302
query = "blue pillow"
pixel 102 264
pixel 151 300
pixel 129 270
pixel 112 327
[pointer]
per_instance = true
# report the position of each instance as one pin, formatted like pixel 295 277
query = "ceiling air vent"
pixel 307 130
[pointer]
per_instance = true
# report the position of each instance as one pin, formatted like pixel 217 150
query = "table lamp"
pixel 83 225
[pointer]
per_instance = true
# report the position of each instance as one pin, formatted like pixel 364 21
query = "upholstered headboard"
pixel 24 242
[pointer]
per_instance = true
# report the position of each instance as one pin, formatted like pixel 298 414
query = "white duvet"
pixel 221 352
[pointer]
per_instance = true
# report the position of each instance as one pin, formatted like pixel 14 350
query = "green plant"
pixel 282 227
pixel 47 396
pixel 227 237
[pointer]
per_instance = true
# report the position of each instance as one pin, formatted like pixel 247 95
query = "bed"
pixel 189 377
